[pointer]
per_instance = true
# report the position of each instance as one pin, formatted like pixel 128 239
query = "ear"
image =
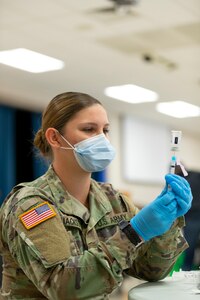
pixel 52 137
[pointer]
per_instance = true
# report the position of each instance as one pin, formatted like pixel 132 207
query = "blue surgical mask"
pixel 93 154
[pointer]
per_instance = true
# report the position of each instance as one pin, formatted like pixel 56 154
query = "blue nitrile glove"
pixel 182 191
pixel 157 217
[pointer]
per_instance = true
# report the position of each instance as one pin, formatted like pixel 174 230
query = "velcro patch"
pixel 37 215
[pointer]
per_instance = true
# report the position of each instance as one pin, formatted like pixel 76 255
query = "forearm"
pixel 158 256
pixel 79 277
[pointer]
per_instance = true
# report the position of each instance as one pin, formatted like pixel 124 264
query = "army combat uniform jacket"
pixel 54 248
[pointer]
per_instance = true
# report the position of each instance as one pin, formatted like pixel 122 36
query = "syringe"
pixel 175 146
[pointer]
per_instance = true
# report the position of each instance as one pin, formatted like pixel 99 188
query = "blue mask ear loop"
pixel 66 148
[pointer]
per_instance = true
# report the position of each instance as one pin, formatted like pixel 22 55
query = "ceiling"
pixel 155 45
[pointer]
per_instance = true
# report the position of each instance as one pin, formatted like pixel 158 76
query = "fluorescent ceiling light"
pixel 131 93
pixel 30 61
pixel 178 109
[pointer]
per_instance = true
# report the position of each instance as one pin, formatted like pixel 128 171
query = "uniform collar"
pixel 98 201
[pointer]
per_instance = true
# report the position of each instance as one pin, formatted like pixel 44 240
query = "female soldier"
pixel 64 236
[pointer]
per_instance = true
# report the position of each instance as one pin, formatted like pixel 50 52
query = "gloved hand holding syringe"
pixel 174 201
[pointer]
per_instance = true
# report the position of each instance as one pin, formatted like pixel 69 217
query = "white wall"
pixel 144 193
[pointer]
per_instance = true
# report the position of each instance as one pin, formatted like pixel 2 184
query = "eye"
pixel 88 129
pixel 106 130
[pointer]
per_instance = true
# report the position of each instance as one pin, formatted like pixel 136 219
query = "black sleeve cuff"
pixel 130 233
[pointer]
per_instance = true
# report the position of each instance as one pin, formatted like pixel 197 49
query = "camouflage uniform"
pixel 76 253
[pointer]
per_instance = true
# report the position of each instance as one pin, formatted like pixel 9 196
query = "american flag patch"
pixel 37 215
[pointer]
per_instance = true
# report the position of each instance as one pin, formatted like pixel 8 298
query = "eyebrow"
pixel 94 124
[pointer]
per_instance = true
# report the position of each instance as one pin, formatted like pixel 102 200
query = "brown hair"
pixel 58 112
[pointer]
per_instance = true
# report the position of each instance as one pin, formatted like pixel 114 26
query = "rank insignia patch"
pixel 37 215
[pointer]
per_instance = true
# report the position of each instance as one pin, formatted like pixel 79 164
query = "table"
pixel 167 289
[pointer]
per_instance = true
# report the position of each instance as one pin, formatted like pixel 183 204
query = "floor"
pixel 122 292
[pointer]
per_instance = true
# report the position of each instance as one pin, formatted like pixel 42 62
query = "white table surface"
pixel 167 289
